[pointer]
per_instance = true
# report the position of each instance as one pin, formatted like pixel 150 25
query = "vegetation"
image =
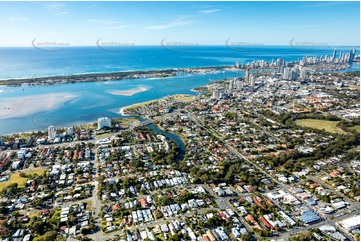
pixel 328 126
pixel 303 236
pixel 20 178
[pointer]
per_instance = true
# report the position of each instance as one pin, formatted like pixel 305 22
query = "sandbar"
pixel 13 108
pixel 129 92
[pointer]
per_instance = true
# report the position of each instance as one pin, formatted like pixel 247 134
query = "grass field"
pixel 16 178
pixel 357 87
pixel 356 128
pixel 329 126
pixel 183 97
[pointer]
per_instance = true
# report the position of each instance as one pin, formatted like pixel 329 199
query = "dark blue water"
pixel 96 99
pixel 31 62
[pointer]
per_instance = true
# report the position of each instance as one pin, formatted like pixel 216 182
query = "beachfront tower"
pixel 303 75
pixel 104 122
pixel 237 65
pixel 70 131
pixel 246 76
pixel 51 132
pixel 252 80
pixel 334 54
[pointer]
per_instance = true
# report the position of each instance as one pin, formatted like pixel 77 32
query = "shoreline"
pixel 121 112
pixel 46 129
pixel 130 92
pixel 135 105
pixel 105 76
pixel 122 75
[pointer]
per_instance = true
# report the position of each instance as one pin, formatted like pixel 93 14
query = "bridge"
pixel 144 123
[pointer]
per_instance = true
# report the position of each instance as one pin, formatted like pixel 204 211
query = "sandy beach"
pixel 178 97
pixel 130 92
pixel 32 104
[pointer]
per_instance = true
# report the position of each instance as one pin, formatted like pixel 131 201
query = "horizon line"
pixel 198 45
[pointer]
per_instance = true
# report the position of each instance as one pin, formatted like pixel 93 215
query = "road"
pixel 285 235
pixel 322 183
pixel 286 187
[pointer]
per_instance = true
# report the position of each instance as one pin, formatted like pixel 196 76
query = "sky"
pixel 179 23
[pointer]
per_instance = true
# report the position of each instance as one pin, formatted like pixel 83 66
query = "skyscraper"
pixel 70 131
pixel 237 64
pixel 294 74
pixel 104 122
pixel 252 83
pixel 286 73
pixel 334 54
pixel 51 132
pixel 231 84
pixel 216 94
pixel 303 75
pixel 341 57
pixel 246 76
pixel 352 55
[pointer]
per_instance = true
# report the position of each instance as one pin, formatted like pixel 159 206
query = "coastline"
pixel 121 112
pixel 107 76
pixel 122 75
pixel 179 97
pixel 45 129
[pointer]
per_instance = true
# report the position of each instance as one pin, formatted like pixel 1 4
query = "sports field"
pixel 329 126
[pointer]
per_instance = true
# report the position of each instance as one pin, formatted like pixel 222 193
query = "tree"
pixel 38 227
pixel 246 237
pixel 48 236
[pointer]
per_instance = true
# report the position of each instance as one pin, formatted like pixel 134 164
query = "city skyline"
pixel 180 23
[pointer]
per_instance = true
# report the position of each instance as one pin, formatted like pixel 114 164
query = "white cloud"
pixel 178 22
pixel 110 24
pixel 56 8
pixel 209 11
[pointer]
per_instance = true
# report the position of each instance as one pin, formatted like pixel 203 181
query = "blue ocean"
pixel 28 108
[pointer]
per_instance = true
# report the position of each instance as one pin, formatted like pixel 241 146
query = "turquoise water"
pixel 31 62
pixel 95 99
